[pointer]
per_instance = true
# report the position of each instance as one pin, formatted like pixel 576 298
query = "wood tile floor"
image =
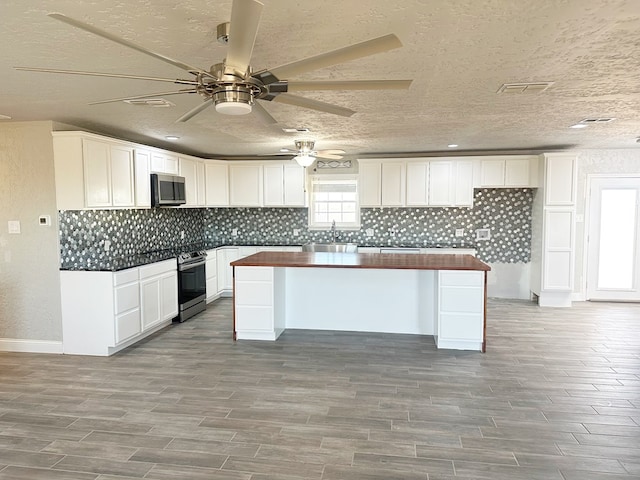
pixel 556 396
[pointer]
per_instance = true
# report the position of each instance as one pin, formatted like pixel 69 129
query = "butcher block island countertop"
pixel 362 260
pixel 443 296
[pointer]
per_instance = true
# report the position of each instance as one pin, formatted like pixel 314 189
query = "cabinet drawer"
pixel 255 294
pixel 461 278
pixel 125 276
pixel 127 297
pixel 158 268
pixel 254 274
pixel 461 299
pixel 254 318
pixel 458 326
pixel 127 325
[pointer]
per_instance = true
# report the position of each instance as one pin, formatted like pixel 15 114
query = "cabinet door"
pixel 560 180
pixel 188 169
pixel 142 162
pixel 369 184
pixel 492 173
pixel 294 186
pixel 516 173
pixel 216 185
pixel 97 173
pixel 417 184
pixel 225 271
pixel 273 185
pixel 157 162
pixel 200 182
pixel 440 183
pixel 463 182
pixel 171 164
pixel 169 295
pixel 150 293
pixel 392 186
pixel 121 159
pixel 245 185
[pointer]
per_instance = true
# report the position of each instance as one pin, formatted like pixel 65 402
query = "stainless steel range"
pixel 192 284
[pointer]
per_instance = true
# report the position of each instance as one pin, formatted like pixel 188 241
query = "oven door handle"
pixel 188 266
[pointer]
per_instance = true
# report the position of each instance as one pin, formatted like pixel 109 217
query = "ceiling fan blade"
pixel 109 36
pixel 345 54
pixel 296 86
pixel 331 152
pixel 328 156
pixel 140 97
pixel 113 75
pixel 263 115
pixel 195 111
pixel 243 28
pixel 312 104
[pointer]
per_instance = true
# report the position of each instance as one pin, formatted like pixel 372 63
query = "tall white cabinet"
pixel 553 243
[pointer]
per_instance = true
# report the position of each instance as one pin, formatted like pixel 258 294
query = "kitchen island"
pixel 439 295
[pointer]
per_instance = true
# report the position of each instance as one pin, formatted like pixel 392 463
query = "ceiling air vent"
pixel 296 130
pixel 588 121
pixel 151 102
pixel 524 87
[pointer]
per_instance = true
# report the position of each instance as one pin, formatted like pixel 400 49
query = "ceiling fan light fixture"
pixel 232 100
pixel 304 160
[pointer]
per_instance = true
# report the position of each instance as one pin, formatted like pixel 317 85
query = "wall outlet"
pixel 369 232
pixel 182 235
pixel 392 232
pixel 234 232
pixel 107 245
pixel 13 226
pixel 459 232
pixel 296 232
pixel 483 234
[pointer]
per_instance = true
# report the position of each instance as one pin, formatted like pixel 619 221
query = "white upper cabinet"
pixel 245 184
pixel 417 184
pixel 463 196
pixel 142 164
pixel 382 183
pixel 189 169
pixel 92 172
pixel 164 162
pixel 509 171
pixel 441 183
pixel 560 179
pixel 216 184
pixel 284 185
pixel 369 184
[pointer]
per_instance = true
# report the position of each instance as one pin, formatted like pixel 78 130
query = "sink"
pixel 330 247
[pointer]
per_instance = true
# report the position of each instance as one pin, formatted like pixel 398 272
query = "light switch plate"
pixel 483 234
pixel 369 232
pixel 459 232
pixel 44 220
pixel 14 226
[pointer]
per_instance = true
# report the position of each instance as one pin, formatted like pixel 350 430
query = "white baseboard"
pixel 29 346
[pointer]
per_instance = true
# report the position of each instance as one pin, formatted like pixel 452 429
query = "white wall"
pixel 623 161
pixel 30 315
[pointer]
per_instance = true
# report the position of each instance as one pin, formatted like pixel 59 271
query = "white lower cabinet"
pixel 460 310
pixel 226 255
pixel 211 275
pixel 104 312
pixel 158 293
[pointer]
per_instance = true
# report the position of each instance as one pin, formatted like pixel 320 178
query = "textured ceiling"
pixel 458 52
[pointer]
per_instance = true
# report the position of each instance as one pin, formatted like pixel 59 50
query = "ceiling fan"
pixel 305 155
pixel 232 86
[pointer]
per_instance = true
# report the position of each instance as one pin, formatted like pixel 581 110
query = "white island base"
pixel 447 304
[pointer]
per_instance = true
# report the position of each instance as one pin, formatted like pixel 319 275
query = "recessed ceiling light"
pixel 284 150
pixel 5 117
pixel 172 137
pixel 453 145
pixel 296 130
pixel 579 125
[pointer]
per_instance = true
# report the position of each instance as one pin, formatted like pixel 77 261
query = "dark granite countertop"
pixel 114 264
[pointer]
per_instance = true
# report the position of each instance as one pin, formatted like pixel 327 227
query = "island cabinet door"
pixel 256 306
pixel 460 310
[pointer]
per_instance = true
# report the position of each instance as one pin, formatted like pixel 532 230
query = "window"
pixel 334 198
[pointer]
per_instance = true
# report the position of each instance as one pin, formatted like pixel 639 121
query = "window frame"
pixel 313 224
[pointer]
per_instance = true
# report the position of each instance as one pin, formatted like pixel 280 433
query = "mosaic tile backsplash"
pixel 506 212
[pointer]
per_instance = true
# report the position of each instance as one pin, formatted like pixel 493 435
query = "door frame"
pixel 588 214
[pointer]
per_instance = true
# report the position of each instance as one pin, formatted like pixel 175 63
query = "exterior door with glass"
pixel 613 259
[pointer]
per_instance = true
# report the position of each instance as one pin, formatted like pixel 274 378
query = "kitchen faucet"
pixel 334 234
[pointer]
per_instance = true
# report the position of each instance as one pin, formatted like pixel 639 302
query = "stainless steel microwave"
pixel 167 190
